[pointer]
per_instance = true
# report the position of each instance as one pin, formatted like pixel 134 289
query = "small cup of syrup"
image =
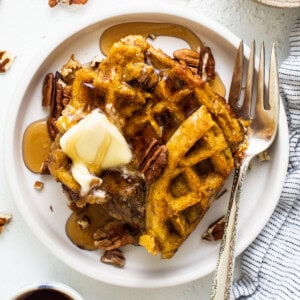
pixel 47 291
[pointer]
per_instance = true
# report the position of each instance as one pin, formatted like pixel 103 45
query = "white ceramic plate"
pixel 280 3
pixel 196 257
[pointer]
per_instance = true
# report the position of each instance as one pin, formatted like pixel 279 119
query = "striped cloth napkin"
pixel 271 264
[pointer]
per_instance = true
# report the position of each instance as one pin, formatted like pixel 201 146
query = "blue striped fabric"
pixel 271 264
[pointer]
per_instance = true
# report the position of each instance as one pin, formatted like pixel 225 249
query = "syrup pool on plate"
pixel 36 145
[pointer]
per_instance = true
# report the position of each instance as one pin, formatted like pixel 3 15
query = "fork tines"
pixel 243 109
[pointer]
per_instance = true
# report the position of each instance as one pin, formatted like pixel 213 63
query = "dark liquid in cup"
pixel 44 294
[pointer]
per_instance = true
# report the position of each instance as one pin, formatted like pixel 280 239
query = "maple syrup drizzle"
pixel 36 145
pixel 148 30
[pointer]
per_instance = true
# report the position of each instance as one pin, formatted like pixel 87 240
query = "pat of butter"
pixel 94 144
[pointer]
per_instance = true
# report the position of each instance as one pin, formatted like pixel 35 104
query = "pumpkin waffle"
pixel 178 199
pixel 182 134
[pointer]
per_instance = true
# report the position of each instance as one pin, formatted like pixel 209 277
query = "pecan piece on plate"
pixel 114 257
pixel 113 236
pixel 4 220
pixel 52 3
pixel 154 161
pixel 38 185
pixel 215 230
pixel 6 59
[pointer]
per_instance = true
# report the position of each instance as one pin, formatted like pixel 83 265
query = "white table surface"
pixel 28 25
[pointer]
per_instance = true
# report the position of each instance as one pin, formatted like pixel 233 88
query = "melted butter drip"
pixel 147 29
pixel 36 145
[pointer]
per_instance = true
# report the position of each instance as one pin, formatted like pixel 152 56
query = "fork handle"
pixel 221 288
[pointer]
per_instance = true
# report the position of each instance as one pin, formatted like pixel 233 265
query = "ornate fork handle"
pixel 221 288
pixel 260 136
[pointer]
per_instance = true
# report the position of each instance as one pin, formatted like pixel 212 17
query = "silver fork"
pixel 261 134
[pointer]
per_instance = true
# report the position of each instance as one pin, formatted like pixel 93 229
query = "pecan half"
pixel 114 257
pixel 189 56
pixel 202 62
pixel 4 220
pixel 206 68
pixel 215 230
pixel 154 161
pixel 47 90
pixel 6 59
pixel 55 106
pixel 56 95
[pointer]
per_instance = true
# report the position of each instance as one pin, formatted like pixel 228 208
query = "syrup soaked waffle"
pixel 151 97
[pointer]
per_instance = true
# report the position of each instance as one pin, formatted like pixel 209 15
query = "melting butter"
pixel 94 144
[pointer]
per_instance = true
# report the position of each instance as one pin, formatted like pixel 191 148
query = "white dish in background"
pixel 196 258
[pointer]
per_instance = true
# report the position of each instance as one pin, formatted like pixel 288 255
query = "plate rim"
pixel 21 90
pixel 281 4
